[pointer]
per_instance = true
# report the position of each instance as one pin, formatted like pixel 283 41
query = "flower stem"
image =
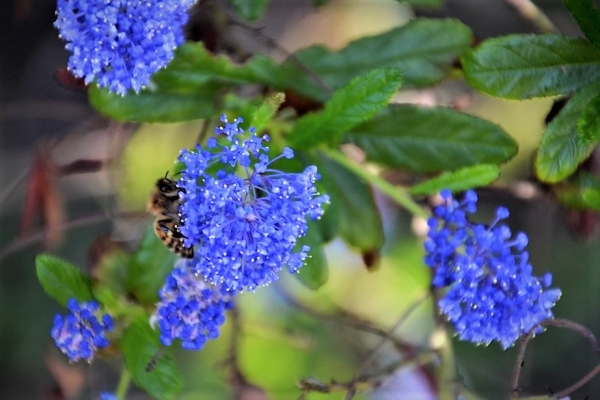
pixel 124 382
pixel 395 193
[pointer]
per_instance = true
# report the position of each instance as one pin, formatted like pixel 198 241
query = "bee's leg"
pixel 166 225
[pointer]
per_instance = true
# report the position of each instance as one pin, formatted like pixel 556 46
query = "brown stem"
pixel 514 384
pixel 578 384
pixel 367 381
pixel 38 236
pixel 367 361
pixel 203 130
pixel 346 318
pixel 560 323
pixel 574 326
pixel 273 44
pixel 53 110
pixel 403 317
pixel 236 377
pixel 533 14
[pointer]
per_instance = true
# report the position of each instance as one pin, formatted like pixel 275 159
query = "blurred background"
pixel 75 184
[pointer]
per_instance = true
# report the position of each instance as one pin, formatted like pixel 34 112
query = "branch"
pixel 560 323
pixel 367 381
pixel 346 318
pixel 533 14
pixel 403 317
pixel 578 384
pixel 273 44
pixel 22 242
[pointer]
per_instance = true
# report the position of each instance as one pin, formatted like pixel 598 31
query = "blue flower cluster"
pixel 120 42
pixel 243 216
pixel 190 310
pixel 80 333
pixel 492 295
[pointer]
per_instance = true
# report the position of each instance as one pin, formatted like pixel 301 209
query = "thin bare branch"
pixel 560 323
pixel 344 317
pixel 367 381
pixel 533 14
pixel 270 42
pixel 367 361
pixel 579 383
pixel 20 243
pixel 203 130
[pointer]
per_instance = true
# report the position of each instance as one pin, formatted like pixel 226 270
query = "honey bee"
pixel 164 204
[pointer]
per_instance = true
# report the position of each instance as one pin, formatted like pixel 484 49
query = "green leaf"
pixel 156 106
pixel 250 10
pixel 588 18
pixel 266 111
pixel 424 49
pixel 431 139
pixel 359 101
pixel 194 67
pixel 62 280
pixel 140 345
pixel 579 193
pixel 459 180
pixel 561 149
pixel 423 3
pixel 588 124
pixel 315 272
pixel 320 3
pixel 359 222
pixel 526 66
pixel 591 197
pixel 149 266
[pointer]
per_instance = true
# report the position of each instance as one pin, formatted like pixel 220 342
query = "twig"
pixel 237 379
pixel 367 361
pixel 22 242
pixel 203 130
pixel 366 381
pixel 119 135
pixel 574 326
pixel 578 384
pixel 273 44
pixel 53 110
pixel 346 318
pixel 532 13
pixel 560 323
pixel 9 189
pixel 358 323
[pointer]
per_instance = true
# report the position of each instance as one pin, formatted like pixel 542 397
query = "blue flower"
pixel 190 310
pixel 108 396
pixel 244 216
pixel 81 332
pixel 120 42
pixel 492 294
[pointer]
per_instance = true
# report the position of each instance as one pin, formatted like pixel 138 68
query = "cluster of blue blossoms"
pixel 120 42
pixel 243 216
pixel 492 295
pixel 244 229
pixel 190 310
pixel 82 331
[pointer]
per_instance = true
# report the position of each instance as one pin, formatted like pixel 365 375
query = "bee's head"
pixel 167 186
